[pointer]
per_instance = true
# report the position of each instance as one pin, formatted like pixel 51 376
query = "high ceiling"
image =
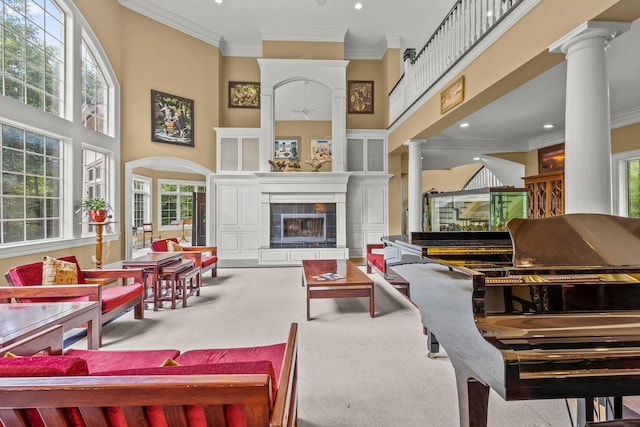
pixel 240 24
pixel 515 120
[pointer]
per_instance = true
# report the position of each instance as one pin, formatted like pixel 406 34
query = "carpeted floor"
pixel 353 370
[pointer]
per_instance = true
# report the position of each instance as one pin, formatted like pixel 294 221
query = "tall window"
pixel 33 52
pixel 95 93
pixel 40 194
pixel 31 181
pixel 176 199
pixel 141 201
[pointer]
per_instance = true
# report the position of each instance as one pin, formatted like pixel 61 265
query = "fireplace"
pixel 303 225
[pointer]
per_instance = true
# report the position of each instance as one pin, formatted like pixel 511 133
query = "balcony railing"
pixel 465 25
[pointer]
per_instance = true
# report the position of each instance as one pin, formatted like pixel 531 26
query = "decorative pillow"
pixel 9 354
pixel 169 362
pixel 173 246
pixel 57 272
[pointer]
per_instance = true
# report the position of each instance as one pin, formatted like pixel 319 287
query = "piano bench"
pixel 630 422
pixel 398 282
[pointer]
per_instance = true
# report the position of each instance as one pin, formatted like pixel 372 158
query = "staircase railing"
pixel 464 26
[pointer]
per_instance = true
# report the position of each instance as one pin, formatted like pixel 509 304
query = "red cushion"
pixel 43 366
pixel 161 245
pixel 207 260
pixel 273 353
pixel 110 360
pixel 234 415
pixel 377 260
pixel 31 275
pixel 119 295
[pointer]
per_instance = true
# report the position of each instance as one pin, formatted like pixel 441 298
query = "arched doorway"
pixel 167 164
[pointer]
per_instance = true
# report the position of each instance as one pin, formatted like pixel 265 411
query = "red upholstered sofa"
pixel 254 386
pixel 197 253
pixel 114 300
pixel 375 258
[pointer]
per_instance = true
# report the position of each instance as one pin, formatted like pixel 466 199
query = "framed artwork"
pixel 452 95
pixel 171 119
pixel 244 94
pixel 360 97
pixel 320 148
pixel 287 148
pixel 551 159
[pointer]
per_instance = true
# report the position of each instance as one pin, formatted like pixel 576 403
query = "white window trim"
pixel 619 181
pixel 159 202
pixel 148 210
pixel 70 130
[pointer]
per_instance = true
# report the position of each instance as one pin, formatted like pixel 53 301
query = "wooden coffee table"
pixel 353 283
pixel 19 321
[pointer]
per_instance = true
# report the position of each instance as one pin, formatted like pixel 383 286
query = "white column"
pixel 587 117
pixel 338 129
pixel 415 186
pixel 266 127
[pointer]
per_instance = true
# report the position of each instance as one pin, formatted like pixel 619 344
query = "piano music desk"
pixel 354 283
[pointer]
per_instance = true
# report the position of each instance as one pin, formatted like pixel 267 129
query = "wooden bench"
pixel 88 397
pixel 376 262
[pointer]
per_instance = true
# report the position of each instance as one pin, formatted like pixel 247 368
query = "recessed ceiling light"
pixel 548 126
pixel 464 125
pixel 476 158
pixel 358 6
pixel 218 1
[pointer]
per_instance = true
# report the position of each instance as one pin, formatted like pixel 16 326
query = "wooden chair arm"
pixel 125 273
pixel 284 408
pixel 372 246
pixel 94 292
pixel 212 249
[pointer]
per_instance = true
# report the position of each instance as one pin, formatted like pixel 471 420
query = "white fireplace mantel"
pixel 303 182
pixel 302 187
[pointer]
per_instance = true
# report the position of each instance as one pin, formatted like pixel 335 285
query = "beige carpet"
pixel 353 370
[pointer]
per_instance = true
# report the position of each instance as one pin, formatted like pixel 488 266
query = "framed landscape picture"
pixel 171 119
pixel 244 94
pixel 360 97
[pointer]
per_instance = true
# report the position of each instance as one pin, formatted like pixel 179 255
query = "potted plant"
pixel 97 209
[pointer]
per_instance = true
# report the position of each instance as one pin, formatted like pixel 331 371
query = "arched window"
pixel 49 146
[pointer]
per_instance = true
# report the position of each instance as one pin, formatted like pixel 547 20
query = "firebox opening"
pixel 300 225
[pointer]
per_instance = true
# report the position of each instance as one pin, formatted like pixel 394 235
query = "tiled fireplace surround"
pixel 306 190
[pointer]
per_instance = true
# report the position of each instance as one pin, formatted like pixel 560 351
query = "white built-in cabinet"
pixel 237 194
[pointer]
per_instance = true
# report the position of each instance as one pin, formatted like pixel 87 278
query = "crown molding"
pixel 311 34
pixel 546 140
pixel 625 118
pixel 172 20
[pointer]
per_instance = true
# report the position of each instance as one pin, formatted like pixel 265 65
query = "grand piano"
pixel 559 319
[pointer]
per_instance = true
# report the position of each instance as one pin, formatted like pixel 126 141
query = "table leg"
pixel 94 331
pixel 372 310
pixel 308 298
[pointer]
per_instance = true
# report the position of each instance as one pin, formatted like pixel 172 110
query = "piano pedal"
pixel 431 355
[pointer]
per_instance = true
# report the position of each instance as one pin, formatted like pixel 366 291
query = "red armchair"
pixel 197 253
pixel 26 285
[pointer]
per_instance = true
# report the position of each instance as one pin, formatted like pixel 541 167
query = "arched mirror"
pixel 302 128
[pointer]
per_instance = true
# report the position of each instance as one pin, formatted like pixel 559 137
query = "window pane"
pixel 24 186
pixel 33 52
pixel 633 183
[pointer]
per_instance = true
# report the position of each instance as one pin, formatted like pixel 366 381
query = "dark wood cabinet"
pixel 545 195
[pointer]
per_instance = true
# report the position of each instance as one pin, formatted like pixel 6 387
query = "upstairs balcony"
pixel 461 36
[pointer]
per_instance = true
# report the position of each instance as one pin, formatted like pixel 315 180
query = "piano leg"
pixel 473 400
pixel 433 346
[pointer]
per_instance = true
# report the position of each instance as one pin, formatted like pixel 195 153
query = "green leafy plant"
pixel 95 204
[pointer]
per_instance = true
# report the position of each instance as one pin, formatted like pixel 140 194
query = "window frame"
pixel 147 195
pixel 160 193
pixel 619 181
pixel 74 135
